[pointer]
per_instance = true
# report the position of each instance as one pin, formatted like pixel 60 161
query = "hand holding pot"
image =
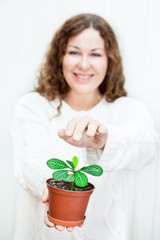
pixel 85 132
pixel 46 220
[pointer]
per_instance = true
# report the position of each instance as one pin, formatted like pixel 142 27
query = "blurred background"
pixel 26 28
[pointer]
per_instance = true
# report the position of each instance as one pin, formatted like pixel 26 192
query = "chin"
pixel 83 90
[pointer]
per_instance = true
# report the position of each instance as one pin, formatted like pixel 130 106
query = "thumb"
pixel 61 133
pixel 45 196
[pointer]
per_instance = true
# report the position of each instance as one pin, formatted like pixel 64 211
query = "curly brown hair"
pixel 51 82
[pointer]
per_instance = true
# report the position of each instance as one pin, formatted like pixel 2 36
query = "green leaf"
pixel 70 163
pixel 75 161
pixel 81 179
pixel 94 170
pixel 60 174
pixel 55 163
pixel 69 178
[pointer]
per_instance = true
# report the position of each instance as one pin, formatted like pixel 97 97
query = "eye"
pixel 96 55
pixel 73 53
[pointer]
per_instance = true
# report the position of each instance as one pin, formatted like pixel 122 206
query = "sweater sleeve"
pixel 31 143
pixel 132 140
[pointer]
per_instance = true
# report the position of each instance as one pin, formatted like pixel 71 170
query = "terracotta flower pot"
pixel 67 208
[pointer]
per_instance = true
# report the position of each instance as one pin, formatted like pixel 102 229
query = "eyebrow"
pixel 94 49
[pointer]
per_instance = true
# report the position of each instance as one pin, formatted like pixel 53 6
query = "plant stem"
pixel 72 186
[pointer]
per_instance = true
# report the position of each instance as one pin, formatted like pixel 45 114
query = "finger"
pixel 45 196
pixel 70 229
pixel 61 133
pixel 46 220
pixel 71 126
pixel 92 128
pixel 59 228
pixel 102 129
pixel 80 127
pixel 81 225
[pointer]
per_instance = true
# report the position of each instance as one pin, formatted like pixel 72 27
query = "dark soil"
pixel 67 185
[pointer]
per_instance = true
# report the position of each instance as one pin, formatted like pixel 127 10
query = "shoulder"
pixel 128 108
pixel 31 98
pixel 122 106
pixel 128 103
pixel 37 104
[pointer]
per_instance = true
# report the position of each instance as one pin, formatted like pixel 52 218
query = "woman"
pixel 80 108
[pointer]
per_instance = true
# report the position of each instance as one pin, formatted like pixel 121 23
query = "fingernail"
pixel 68 132
pixel 101 130
pixel 90 133
pixel 76 137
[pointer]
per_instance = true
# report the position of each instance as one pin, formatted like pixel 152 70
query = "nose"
pixel 83 63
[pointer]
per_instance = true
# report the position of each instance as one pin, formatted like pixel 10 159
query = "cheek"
pixel 105 69
pixel 105 65
pixel 67 64
pixel 102 67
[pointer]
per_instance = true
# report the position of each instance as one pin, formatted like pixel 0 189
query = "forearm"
pixel 32 174
pixel 128 147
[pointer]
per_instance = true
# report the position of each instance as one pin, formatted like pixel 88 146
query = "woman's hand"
pixel 85 132
pixel 46 220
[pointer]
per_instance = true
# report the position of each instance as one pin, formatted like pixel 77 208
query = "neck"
pixel 82 101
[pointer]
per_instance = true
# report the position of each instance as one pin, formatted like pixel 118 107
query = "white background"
pixel 26 27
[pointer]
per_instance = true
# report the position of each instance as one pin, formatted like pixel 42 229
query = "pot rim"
pixel 63 191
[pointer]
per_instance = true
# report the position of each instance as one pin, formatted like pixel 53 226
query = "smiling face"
pixel 85 62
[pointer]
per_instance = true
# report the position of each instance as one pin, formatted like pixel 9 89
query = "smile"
pixel 83 77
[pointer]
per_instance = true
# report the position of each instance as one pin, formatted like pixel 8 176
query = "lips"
pixel 83 77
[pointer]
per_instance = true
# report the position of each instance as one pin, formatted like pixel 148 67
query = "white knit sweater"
pixel 130 146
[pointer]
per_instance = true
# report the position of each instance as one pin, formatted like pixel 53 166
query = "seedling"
pixel 77 177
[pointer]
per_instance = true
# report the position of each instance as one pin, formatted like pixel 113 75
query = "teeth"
pixel 83 77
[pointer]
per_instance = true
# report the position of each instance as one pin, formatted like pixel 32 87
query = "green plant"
pixel 77 177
